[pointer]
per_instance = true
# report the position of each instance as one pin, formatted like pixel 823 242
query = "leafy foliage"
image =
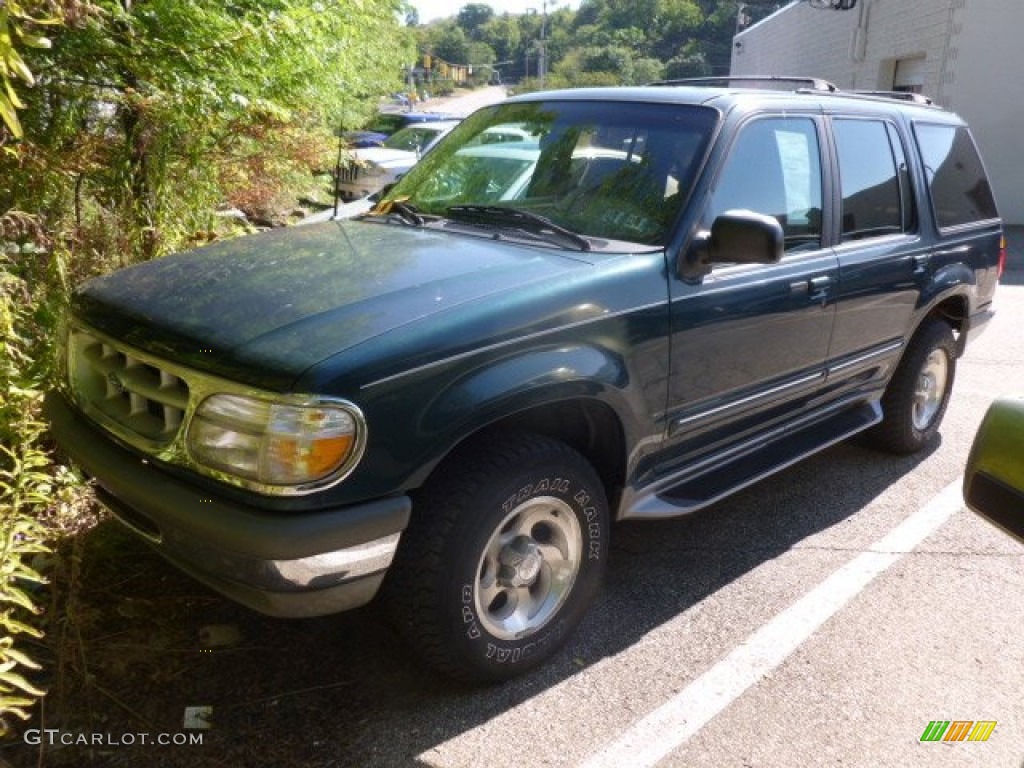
pixel 19 22
pixel 150 111
pixel 608 42
pixel 124 125
pixel 26 473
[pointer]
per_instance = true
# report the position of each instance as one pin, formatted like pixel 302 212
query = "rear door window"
pixel 872 175
pixel 959 189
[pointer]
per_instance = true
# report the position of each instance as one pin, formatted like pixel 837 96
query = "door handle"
pixel 801 286
pixel 819 283
pixel 813 286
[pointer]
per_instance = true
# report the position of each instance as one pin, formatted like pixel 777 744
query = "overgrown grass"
pixel 29 480
pixel 44 505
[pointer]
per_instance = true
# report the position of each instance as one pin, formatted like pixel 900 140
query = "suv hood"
pixel 385 157
pixel 262 309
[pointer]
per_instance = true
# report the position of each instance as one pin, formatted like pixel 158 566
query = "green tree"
pixel 412 16
pixel 502 34
pixel 450 43
pixel 678 22
pixel 647 70
pixel 473 17
pixel 691 61
pixel 181 100
pixel 480 56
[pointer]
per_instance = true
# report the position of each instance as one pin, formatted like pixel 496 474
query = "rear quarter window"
pixel 959 189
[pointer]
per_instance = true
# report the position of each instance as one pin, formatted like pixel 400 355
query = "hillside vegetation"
pixel 605 42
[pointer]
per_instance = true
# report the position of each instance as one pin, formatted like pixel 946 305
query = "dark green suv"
pixel 654 297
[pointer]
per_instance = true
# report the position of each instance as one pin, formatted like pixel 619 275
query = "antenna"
pixel 341 150
pixel 337 169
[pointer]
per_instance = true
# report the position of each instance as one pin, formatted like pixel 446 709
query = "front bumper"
pixel 280 563
pixel 363 187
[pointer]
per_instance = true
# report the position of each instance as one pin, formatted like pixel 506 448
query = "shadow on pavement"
pixel 343 690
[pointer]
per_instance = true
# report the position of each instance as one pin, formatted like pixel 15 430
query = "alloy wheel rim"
pixel 930 390
pixel 528 568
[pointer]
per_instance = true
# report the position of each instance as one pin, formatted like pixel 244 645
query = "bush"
pixel 26 476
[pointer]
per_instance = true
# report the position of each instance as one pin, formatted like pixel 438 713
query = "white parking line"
pixel 669 726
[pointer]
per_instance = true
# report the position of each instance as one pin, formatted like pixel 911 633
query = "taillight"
pixel 1002 256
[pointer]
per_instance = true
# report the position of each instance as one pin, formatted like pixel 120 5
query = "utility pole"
pixel 742 18
pixel 541 57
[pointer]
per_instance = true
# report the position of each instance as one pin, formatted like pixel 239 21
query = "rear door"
pixel 883 258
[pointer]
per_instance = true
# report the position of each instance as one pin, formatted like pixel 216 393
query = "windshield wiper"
pixel 513 218
pixel 400 208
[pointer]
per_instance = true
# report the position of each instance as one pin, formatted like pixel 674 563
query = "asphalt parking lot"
pixel 824 617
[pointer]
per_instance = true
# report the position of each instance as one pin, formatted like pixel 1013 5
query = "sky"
pixel 440 9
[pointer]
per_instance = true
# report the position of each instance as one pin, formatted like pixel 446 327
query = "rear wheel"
pixel 916 398
pixel 503 556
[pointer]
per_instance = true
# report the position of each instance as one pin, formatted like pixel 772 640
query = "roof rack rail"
pixel 814 83
pixel 916 98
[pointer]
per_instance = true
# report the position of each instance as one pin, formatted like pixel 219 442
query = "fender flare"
pixel 539 377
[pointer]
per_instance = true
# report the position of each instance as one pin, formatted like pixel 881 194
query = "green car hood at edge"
pixel 264 308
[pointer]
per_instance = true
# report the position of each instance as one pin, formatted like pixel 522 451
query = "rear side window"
pixel 872 174
pixel 959 189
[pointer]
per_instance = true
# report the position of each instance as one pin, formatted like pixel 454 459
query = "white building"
pixel 965 54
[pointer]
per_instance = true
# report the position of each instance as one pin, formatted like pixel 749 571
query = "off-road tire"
pixel 504 553
pixel 917 396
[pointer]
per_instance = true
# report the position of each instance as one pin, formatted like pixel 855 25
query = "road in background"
pixel 461 103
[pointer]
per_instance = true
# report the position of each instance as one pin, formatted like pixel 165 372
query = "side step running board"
pixel 761 461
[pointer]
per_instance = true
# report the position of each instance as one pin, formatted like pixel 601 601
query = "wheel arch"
pixel 589 426
pixel 954 310
pixel 584 395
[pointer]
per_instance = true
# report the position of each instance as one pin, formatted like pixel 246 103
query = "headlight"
pixel 277 447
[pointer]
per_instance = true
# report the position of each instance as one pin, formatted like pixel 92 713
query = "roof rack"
pixel 814 83
pixel 916 98
pixel 808 83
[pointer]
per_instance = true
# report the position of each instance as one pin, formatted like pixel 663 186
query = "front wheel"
pixel 505 552
pixel 916 398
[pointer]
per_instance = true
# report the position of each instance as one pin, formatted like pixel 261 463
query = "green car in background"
pixel 994 481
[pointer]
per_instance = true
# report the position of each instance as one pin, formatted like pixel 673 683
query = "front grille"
pixel 348 173
pixel 136 397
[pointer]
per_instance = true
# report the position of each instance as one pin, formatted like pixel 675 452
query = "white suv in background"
pixel 370 169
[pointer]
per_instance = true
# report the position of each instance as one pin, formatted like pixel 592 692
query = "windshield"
pixel 412 138
pixel 618 172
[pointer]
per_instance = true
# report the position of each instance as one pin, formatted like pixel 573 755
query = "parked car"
pixel 450 402
pixel 994 480
pixel 370 169
pixel 362 139
pixel 388 123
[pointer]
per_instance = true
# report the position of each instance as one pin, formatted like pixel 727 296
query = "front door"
pixel 749 343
